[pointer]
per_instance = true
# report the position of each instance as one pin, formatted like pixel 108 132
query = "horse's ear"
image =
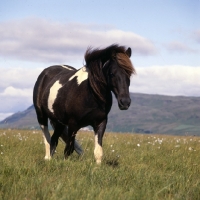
pixel 128 52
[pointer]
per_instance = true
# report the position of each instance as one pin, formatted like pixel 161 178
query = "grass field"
pixel 134 167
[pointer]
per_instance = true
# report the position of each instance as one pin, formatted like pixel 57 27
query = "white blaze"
pixel 53 94
pixel 81 74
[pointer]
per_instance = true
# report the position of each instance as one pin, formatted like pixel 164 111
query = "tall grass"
pixel 133 167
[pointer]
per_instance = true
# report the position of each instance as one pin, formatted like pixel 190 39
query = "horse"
pixel 72 99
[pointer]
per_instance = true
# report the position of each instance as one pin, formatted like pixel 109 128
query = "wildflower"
pixel 1 153
pixel 159 141
pixel 113 150
pixel 138 145
pixel 178 140
pixel 191 149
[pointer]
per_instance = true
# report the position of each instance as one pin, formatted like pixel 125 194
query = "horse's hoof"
pixel 47 157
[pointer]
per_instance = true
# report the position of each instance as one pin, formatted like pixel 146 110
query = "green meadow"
pixel 134 166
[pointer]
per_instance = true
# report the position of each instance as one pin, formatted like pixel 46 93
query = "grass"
pixel 134 167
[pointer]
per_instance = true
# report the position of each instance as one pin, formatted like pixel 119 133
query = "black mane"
pixel 102 55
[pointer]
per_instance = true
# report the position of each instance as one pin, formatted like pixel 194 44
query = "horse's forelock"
pixel 125 63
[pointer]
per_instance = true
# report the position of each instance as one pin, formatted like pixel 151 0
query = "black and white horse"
pixel 72 99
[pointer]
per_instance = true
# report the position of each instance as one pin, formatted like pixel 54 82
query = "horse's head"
pixel 118 70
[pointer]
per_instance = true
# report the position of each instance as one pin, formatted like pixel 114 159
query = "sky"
pixel 164 37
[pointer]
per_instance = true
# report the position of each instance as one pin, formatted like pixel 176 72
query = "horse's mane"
pixel 103 55
pixel 96 58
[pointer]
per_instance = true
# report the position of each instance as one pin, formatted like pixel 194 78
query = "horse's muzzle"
pixel 124 103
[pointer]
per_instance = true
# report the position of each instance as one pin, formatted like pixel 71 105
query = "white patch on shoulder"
pixel 53 94
pixel 67 67
pixel 81 74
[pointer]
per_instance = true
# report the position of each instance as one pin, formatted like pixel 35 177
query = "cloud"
pixel 16 89
pixel 196 36
pixel 179 47
pixel 36 39
pixel 4 115
pixel 18 77
pixel 16 92
pixel 168 80
pixel 15 103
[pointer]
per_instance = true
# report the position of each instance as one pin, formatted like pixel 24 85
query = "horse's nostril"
pixel 124 103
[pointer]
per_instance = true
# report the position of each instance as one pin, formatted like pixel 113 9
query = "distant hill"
pixel 177 115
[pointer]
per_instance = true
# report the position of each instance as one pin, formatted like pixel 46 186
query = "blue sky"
pixel 164 37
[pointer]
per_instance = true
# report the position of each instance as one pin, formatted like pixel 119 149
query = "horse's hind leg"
pixel 70 144
pixel 43 121
pixel 77 146
pixel 47 140
pixel 64 136
pixel 58 129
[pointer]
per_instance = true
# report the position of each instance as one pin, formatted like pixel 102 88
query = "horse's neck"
pixel 102 95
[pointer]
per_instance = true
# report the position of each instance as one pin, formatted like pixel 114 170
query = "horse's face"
pixel 119 83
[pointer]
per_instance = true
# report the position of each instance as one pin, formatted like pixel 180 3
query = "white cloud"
pixel 4 115
pixel 16 92
pixel 42 40
pixel 179 47
pixel 168 80
pixel 16 89
pixel 196 36
pixel 18 77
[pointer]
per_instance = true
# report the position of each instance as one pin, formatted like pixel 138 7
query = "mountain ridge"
pixel 148 113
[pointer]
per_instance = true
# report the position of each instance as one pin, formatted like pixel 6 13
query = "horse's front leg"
pixel 69 148
pixel 99 132
pixel 54 139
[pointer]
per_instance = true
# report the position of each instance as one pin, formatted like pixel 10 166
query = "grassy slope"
pixel 158 114
pixel 134 167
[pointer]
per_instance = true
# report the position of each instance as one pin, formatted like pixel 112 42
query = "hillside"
pixel 147 114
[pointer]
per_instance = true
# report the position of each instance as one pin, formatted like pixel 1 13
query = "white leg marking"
pixel 47 140
pixel 98 152
pixel 81 74
pixel 53 94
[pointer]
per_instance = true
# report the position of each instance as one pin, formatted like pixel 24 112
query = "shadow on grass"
pixel 113 163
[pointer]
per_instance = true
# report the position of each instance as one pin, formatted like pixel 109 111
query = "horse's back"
pixel 46 76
